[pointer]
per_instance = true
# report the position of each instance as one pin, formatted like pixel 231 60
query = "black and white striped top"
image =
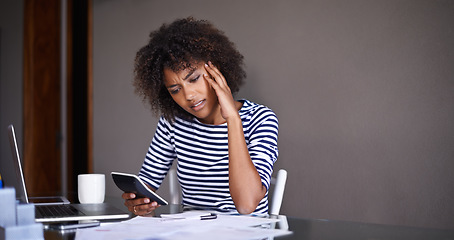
pixel 202 153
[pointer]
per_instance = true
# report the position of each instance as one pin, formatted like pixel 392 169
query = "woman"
pixel 225 148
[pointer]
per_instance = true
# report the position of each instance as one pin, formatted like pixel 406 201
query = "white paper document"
pixel 187 225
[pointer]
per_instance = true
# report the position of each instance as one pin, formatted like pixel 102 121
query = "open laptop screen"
pixel 59 204
pixel 22 191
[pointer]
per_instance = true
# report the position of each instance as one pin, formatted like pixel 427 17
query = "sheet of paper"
pixel 223 227
pixel 224 219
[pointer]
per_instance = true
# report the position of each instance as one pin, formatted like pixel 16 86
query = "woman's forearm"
pixel 245 184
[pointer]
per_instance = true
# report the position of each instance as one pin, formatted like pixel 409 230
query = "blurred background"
pixel 364 93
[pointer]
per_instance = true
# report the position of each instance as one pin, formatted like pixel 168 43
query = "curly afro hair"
pixel 177 46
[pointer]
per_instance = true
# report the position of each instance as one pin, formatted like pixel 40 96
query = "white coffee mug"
pixel 91 188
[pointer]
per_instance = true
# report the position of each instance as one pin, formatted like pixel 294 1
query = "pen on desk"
pixel 208 217
pixel 202 217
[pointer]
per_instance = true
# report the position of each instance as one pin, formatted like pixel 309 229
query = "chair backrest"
pixel 278 192
pixel 174 187
pixel 276 198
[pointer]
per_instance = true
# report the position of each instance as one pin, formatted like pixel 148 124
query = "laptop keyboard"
pixel 63 210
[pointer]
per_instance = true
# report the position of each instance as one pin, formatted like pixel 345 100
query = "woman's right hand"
pixel 139 206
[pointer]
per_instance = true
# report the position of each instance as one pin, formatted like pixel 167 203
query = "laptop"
pixel 58 208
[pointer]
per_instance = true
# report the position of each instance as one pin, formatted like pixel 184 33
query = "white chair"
pixel 278 193
pixel 276 197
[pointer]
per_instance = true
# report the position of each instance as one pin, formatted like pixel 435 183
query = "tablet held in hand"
pixel 131 183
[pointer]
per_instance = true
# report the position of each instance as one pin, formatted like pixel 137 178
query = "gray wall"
pixel 11 93
pixel 364 91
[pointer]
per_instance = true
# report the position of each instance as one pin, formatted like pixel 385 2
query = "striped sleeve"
pixel 263 138
pixel 160 155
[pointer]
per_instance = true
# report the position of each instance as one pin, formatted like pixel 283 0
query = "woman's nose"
pixel 189 94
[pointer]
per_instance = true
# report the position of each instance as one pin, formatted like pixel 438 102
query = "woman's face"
pixel 193 93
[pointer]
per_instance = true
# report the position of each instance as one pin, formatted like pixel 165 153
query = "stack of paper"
pixel 187 225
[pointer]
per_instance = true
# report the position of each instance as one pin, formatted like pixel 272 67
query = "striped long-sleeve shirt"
pixel 203 159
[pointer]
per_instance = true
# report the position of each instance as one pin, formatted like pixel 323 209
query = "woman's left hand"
pixel 222 89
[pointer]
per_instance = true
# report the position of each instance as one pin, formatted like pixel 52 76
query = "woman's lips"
pixel 199 105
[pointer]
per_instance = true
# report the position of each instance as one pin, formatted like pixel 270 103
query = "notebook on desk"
pixel 58 208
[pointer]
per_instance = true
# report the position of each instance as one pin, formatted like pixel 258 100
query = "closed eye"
pixel 174 91
pixel 194 79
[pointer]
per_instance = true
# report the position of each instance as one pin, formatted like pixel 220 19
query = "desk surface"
pixel 328 229
pixel 321 229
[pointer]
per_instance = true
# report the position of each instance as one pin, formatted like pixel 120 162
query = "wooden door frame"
pixel 42 98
